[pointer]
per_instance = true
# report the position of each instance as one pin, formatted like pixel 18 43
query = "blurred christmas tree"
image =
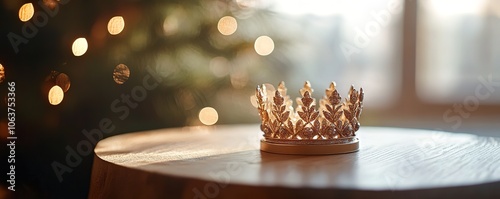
pixel 143 65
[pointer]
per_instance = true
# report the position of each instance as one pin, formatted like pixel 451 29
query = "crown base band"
pixel 307 149
pixel 345 140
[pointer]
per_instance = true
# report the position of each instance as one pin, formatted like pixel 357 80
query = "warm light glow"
pixel 246 3
pixel 208 116
pixel 121 73
pixel 219 66
pixel 52 4
pixel 239 79
pixel 62 80
pixel 170 25
pixel 264 45
pixel 116 25
pixel 227 25
pixel 253 100
pixel 2 73
pixel 80 46
pixel 26 12
pixel 56 95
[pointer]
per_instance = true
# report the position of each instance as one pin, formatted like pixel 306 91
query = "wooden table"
pixel 225 162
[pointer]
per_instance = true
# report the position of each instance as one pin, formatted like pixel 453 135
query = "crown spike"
pixel 361 95
pixel 307 87
pixel 282 88
pixel 329 91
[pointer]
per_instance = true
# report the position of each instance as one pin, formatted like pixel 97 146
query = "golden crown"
pixel 307 130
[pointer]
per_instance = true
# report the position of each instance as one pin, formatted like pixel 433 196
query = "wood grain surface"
pixel 225 162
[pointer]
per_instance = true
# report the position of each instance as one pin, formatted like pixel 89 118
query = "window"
pixel 350 42
pixel 458 49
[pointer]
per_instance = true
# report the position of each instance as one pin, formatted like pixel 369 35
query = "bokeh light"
pixel 56 95
pixel 181 21
pixel 26 12
pixel 264 45
pixel 208 116
pixel 170 25
pixel 62 80
pixel 52 4
pixel 2 73
pixel 121 73
pixel 116 25
pixel 219 66
pixel 186 99
pixel 253 100
pixel 239 78
pixel 80 46
pixel 246 3
pixel 227 25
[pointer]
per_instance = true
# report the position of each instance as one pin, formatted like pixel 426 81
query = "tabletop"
pixel 225 162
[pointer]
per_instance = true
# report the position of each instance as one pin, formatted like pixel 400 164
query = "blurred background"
pixel 430 64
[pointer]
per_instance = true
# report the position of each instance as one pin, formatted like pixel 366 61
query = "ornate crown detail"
pixel 332 125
